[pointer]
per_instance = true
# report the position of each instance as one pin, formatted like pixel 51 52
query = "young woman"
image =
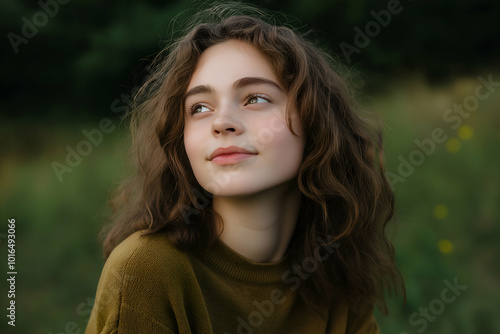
pixel 259 203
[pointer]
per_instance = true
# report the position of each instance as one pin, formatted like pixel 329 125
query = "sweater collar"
pixel 234 265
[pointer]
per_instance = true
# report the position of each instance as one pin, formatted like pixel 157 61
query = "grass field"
pixel 446 178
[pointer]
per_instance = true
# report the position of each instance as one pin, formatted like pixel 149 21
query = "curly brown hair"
pixel 345 197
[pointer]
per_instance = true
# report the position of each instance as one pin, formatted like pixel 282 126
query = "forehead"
pixel 226 62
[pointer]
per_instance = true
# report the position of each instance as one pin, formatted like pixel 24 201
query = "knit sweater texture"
pixel 149 286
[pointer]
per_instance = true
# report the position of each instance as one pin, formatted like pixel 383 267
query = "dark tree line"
pixel 74 58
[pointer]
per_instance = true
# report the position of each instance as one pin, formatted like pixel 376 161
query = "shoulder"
pixel 150 258
pixel 145 266
pixel 138 282
pixel 137 247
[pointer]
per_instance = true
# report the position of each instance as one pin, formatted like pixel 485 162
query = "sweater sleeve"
pixel 104 318
pixel 114 311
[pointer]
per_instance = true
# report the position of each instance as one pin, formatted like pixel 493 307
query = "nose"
pixel 226 121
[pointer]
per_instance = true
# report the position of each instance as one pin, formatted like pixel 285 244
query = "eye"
pixel 198 108
pixel 257 99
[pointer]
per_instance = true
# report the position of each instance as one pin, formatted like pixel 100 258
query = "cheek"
pixel 191 143
pixel 286 148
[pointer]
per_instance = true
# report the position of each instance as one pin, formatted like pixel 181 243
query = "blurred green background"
pixel 79 61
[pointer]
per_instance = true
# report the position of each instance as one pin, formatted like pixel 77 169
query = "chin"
pixel 250 188
pixel 234 191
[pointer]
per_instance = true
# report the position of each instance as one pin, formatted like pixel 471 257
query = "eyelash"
pixel 249 97
pixel 193 107
pixel 262 96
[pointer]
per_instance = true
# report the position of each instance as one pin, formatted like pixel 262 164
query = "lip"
pixel 230 155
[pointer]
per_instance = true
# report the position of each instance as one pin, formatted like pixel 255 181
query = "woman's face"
pixel 235 133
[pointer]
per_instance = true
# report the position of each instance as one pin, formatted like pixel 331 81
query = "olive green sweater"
pixel 149 286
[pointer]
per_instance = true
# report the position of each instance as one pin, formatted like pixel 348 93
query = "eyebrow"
pixel 240 83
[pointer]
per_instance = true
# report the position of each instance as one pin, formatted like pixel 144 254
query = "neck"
pixel 260 226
